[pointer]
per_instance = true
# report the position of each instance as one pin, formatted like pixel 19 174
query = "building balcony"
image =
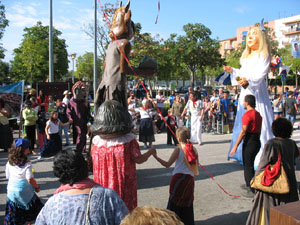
pixel 228 48
pixel 292 31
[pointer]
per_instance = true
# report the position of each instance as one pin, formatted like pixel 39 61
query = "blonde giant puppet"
pixel 255 62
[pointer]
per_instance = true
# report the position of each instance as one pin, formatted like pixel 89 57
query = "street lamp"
pixel 73 56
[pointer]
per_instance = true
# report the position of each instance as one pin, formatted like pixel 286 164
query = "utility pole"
pixel 95 51
pixel 51 77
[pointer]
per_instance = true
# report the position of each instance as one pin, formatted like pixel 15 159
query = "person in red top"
pixel 43 101
pixel 171 121
pixel 251 128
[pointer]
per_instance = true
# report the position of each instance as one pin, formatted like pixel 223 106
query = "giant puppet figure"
pixel 78 114
pixel 114 82
pixel 255 63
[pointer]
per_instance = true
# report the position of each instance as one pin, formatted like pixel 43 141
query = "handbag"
pixel 273 179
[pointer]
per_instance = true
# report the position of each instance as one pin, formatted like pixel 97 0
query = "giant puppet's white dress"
pixel 254 69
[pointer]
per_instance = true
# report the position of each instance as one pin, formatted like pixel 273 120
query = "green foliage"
pixel 4 70
pixel 3 24
pixel 31 61
pixel 272 42
pixel 85 66
pixel 146 45
pixel 287 59
pixel 233 59
pixel 164 52
pixel 198 50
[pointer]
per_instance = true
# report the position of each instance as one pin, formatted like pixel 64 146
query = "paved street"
pixel 211 204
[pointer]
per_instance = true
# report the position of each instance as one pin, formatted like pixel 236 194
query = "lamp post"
pixel 73 56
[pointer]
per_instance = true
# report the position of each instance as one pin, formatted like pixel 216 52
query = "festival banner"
pixel 12 95
pixel 295 45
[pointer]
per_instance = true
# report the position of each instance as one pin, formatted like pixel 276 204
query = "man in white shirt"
pixel 195 106
pixel 214 97
pixel 66 98
pixel 160 99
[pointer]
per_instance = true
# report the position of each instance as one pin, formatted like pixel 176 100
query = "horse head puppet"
pixel 122 26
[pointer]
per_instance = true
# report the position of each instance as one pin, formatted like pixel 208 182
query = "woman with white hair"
pixel 255 63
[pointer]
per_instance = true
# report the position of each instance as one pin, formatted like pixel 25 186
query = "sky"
pixel 72 17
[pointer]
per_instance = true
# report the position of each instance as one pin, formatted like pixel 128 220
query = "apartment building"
pixel 285 29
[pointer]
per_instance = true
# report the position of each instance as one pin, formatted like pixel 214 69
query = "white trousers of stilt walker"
pixel 196 128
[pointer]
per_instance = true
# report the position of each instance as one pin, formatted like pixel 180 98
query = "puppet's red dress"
pixel 114 166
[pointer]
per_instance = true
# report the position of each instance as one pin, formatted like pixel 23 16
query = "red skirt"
pixel 182 190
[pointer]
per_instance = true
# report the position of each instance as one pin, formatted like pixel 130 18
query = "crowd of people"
pixel 200 112
pixel 114 146
pixel 219 109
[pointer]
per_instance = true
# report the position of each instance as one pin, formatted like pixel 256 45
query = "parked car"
pixel 177 90
pixel 163 87
pixel 185 89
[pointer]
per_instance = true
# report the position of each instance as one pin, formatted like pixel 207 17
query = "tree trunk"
pixel 150 87
pixel 202 79
pixel 192 78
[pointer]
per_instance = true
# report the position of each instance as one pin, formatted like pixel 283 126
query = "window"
pixel 244 35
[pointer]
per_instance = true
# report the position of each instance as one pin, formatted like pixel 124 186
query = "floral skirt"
pixel 17 215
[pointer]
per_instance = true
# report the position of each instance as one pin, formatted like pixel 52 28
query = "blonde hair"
pixel 170 110
pixel 183 134
pixel 149 215
pixel 263 49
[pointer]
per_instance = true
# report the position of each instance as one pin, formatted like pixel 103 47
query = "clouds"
pixel 25 15
pixel 66 2
pixel 70 17
pixel 242 9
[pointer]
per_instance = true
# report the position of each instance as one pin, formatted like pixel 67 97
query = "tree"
pixel 173 65
pixel 4 72
pixel 31 61
pixel 198 50
pixel 233 59
pixel 103 38
pixel 294 63
pixel 3 24
pixel 85 66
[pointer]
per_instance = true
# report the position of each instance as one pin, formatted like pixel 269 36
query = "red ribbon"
pixel 235 196
pixel 195 103
pixel 157 12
